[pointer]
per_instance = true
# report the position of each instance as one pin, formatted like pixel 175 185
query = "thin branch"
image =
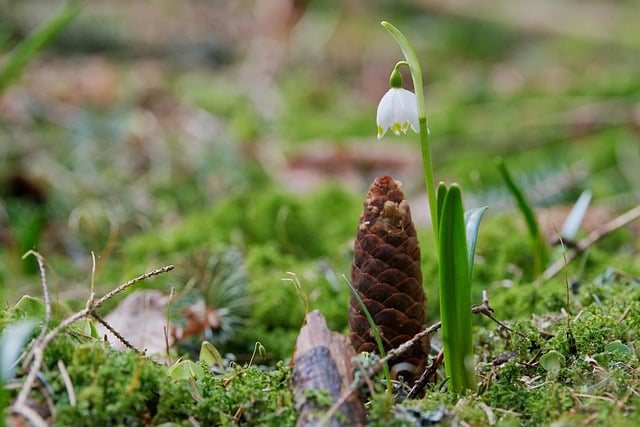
pixel 124 286
pixel 624 314
pixel 168 325
pixel 377 367
pixel 67 382
pixel 45 296
pixel 426 376
pixel 486 309
pixel 115 333
pixel 592 238
pixel 405 346
pixel 20 406
pixel 29 414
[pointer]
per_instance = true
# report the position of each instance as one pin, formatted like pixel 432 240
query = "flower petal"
pixel 397 111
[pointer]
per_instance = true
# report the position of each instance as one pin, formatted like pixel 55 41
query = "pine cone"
pixel 386 273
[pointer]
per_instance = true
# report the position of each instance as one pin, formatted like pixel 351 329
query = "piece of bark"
pixel 387 275
pixel 322 364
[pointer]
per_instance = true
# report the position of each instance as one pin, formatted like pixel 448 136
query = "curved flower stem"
pixel 416 76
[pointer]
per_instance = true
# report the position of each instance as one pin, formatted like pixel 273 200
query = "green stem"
pixel 428 174
pixel 416 76
pixel 414 65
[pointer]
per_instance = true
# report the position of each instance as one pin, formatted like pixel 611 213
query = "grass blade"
pixel 540 253
pixel 376 333
pixel 38 39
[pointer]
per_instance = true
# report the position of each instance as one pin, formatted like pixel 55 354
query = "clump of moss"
pixel 125 388
pixel 545 370
pixel 117 388
pixel 247 396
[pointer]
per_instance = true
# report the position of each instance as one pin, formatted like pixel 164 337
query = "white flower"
pixel 397 111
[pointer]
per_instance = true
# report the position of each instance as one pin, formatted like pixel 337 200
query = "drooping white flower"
pixel 397 111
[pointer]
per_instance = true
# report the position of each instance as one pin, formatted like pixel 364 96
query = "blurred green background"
pixel 147 131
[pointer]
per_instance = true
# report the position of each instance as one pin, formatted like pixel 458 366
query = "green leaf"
pixel 374 330
pixel 521 200
pixel 455 293
pixel 38 39
pixel 472 219
pixel 552 362
pixel 86 327
pixel 12 341
pixel 539 246
pixel 617 347
pixel 29 307
pixel 186 369
pixel 210 355
pixel 440 196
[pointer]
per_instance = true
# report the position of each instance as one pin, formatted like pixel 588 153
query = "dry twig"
pixel 424 379
pixel 486 309
pixel 592 238
pixel 67 382
pixel 115 333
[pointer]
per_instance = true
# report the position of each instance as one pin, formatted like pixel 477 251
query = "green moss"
pixel 246 396
pixel 305 226
pixel 118 388
pixel 381 411
pixel 278 309
pixel 518 301
pixel 124 388
pixel 320 398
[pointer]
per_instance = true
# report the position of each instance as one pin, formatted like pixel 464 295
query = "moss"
pixel 520 300
pixel 273 217
pixel 118 388
pixel 124 388
pixel 278 309
pixel 380 411
pixel 246 396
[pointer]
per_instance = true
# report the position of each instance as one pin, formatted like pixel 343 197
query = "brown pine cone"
pixel 386 273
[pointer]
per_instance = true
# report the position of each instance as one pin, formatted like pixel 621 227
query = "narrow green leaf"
pixel 12 341
pixel 540 249
pixel 38 39
pixel 374 330
pixel 521 200
pixel 472 219
pixel 440 195
pixel 455 293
